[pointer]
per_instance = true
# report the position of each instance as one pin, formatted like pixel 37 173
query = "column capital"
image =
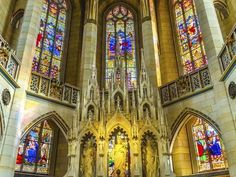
pixel 91 11
pixel 145 10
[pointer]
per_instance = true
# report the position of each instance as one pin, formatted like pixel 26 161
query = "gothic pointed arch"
pixel 50 54
pixel 191 51
pixel 38 151
pixel 197 138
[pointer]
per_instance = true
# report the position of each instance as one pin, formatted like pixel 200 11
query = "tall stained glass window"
pixel 208 147
pixel 50 39
pixel 120 44
pixel 33 153
pixel 190 42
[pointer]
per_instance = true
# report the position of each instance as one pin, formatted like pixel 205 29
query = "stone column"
pixel 5 7
pixel 25 52
pixel 150 42
pixel 88 56
pixel 181 154
pixel 213 43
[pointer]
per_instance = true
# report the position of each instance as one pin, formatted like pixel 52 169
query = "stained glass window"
pixel 50 39
pixel 33 153
pixel 208 147
pixel 118 155
pixel 120 44
pixel 189 36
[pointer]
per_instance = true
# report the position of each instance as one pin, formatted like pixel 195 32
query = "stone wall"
pixel 227 22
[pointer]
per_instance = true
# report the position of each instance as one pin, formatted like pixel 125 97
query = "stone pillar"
pixel 5 7
pixel 89 48
pixel 213 43
pixel 150 42
pixel 25 51
pixel 181 154
pixel 168 62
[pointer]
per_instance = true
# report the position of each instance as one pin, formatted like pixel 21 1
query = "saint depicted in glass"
pixel 118 155
pixel 34 150
pixel 208 147
pixel 120 44
pixel 50 39
pixel 190 42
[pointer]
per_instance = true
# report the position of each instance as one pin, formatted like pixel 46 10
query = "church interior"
pixel 117 88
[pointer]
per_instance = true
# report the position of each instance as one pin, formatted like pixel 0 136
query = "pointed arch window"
pixel 192 52
pixel 50 40
pixel 34 151
pixel 208 147
pixel 120 44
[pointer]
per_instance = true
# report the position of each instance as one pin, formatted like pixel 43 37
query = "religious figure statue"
pixel 90 115
pixel 118 103
pixel 120 151
pixel 87 163
pixel 150 160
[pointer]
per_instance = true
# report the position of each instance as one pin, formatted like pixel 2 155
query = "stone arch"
pixel 58 145
pixel 49 116
pixel 191 139
pixel 88 130
pixel 118 121
pixel 186 115
pixel 15 27
pixel 148 128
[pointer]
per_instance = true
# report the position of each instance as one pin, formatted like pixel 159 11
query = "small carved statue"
pixel 88 160
pixel 90 115
pixel 150 160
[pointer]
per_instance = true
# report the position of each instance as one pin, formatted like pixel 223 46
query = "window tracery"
pixel 50 40
pixel 34 150
pixel 208 147
pixel 120 44
pixel 191 47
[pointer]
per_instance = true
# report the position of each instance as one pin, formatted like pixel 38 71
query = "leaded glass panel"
pixel 192 52
pixel 120 44
pixel 50 39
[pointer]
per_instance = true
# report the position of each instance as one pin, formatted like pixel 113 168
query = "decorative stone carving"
pixel 6 97
pixel 150 160
pixel 87 161
pixel 232 90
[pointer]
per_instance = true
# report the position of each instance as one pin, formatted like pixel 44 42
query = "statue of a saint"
pixel 150 160
pixel 88 160
pixel 120 151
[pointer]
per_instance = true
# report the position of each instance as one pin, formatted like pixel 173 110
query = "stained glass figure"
pixel 34 150
pixel 120 44
pixel 208 147
pixel 50 39
pixel 189 36
pixel 118 155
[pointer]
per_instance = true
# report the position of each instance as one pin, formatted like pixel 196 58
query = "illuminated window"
pixel 120 44
pixel 33 153
pixel 190 42
pixel 50 39
pixel 208 147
